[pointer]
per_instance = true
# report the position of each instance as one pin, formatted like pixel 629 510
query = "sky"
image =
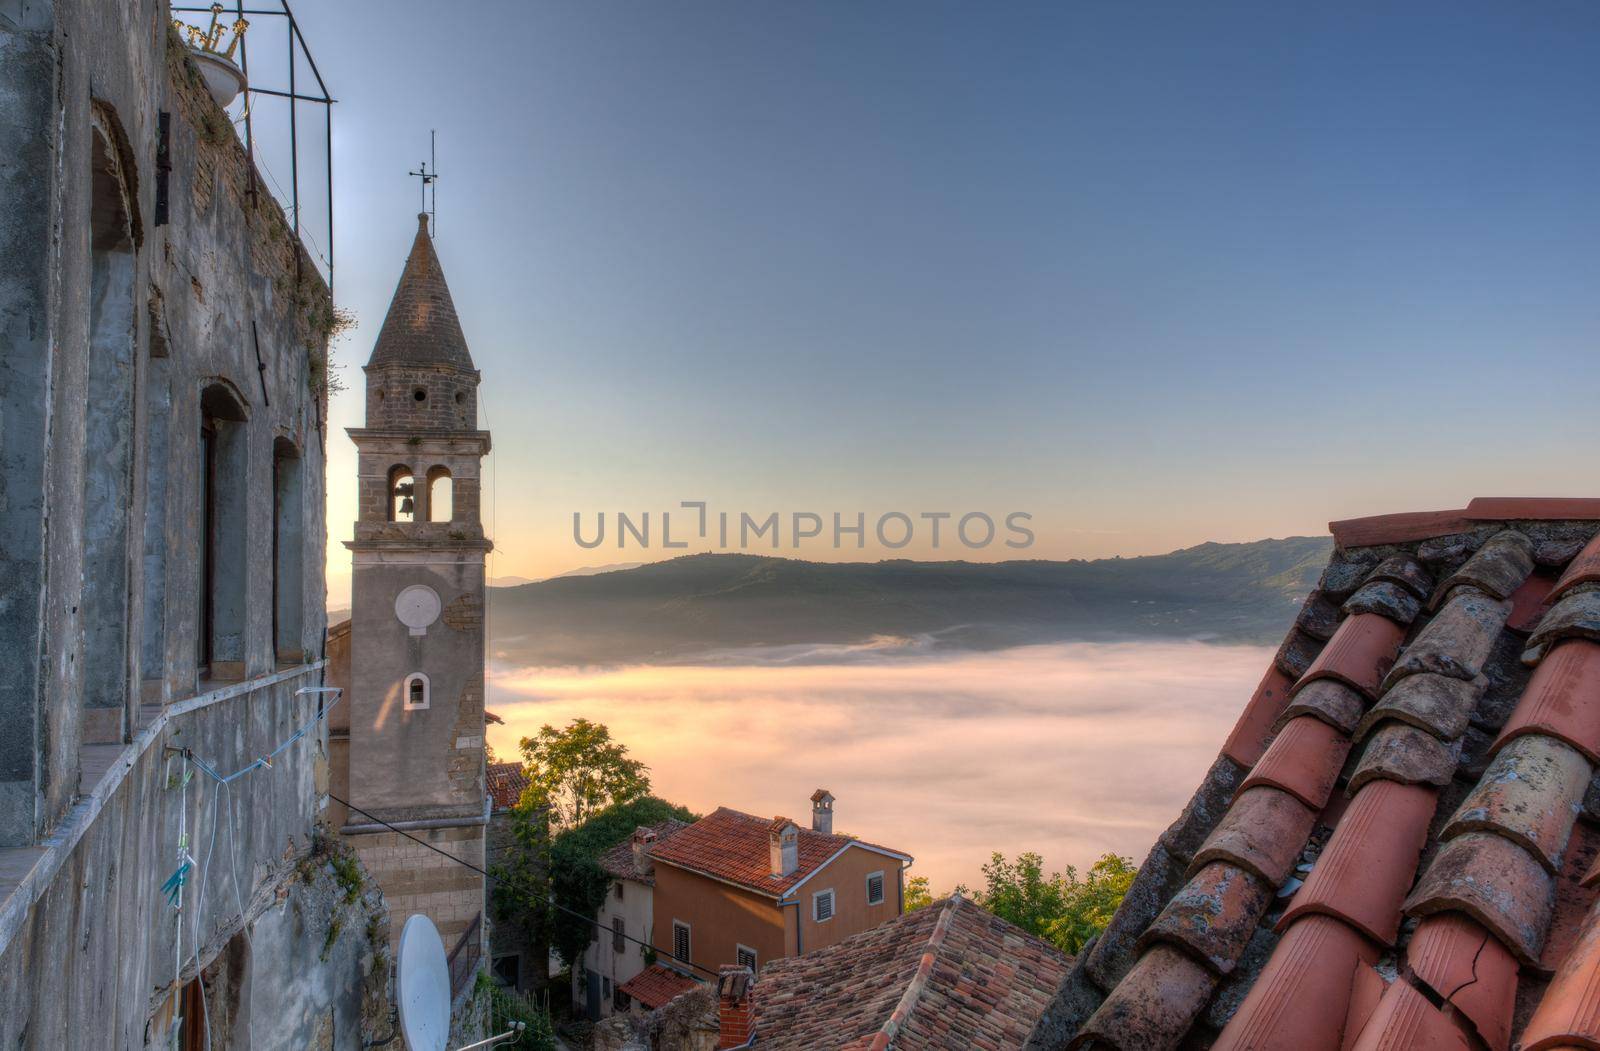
pixel 1154 274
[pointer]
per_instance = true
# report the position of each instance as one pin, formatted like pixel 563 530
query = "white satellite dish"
pixel 422 976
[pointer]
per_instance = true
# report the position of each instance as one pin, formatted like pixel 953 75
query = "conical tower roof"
pixel 421 328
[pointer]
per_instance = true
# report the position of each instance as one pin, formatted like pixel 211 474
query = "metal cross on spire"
pixel 429 191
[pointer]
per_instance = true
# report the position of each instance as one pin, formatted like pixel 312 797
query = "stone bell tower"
pixel 416 671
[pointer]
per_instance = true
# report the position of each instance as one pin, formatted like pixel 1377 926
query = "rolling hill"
pixel 694 606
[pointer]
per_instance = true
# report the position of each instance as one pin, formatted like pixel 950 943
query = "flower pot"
pixel 223 79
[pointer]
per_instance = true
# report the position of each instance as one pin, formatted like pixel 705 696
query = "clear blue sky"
pixel 1156 273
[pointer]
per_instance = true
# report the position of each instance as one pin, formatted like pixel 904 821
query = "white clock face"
pixel 418 607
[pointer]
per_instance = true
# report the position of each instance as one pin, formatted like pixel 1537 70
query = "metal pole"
pixel 249 134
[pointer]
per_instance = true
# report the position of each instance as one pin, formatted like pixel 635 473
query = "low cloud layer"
pixel 1071 750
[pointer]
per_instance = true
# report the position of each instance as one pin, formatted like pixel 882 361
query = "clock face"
pixel 418 607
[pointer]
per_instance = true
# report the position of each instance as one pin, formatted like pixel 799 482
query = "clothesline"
pixel 265 761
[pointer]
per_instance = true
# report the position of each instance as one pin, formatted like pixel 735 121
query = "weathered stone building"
pixel 162 396
pixel 410 751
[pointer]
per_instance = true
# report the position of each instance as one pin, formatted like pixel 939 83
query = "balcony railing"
pixel 464 957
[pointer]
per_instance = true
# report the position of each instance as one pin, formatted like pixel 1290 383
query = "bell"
pixel 407 506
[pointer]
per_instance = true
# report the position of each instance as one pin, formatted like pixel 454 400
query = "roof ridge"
pixel 919 981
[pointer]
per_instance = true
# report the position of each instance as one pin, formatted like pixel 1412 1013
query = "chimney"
pixel 783 846
pixel 822 811
pixel 643 840
pixel 734 1023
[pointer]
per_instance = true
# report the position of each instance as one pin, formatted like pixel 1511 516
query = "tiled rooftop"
pixel 506 782
pixel 656 986
pixel 618 861
pixel 732 846
pixel 947 976
pixel 421 327
pixel 1397 846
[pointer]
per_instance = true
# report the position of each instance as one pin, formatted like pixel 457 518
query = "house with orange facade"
pixel 737 889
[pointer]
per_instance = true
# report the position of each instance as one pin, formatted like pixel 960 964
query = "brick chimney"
pixel 822 811
pixel 734 1022
pixel 643 840
pixel 783 846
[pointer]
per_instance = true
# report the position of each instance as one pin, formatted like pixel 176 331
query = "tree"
pixel 918 893
pixel 578 884
pixel 1063 909
pixel 519 898
pixel 579 770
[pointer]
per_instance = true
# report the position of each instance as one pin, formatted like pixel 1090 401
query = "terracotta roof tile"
pixel 1318 616
pixel 732 846
pixel 1362 875
pixel 1336 704
pixel 1302 999
pixel 1214 915
pixel 1457 641
pixel 1530 603
pixel 1303 760
pixel 1584 569
pixel 1440 704
pixel 1153 1006
pixel 1465 965
pixel 1397 528
pixel 1530 794
pixel 1400 752
pixel 1500 902
pixel 1494 881
pixel 1576 615
pixel 1360 653
pixel 1252 733
pixel 1398 569
pixel 506 782
pixel 1562 699
pixel 1533 508
pixel 948 977
pixel 1569 1014
pixel 1497 568
pixel 1262 832
pixel 656 986
pixel 1406 1021
pixel 618 861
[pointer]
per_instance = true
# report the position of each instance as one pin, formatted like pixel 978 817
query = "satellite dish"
pixel 423 977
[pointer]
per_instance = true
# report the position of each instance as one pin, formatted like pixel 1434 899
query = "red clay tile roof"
pixel 732 846
pixel 656 986
pixel 506 782
pixel 950 976
pixel 618 861
pixel 1391 850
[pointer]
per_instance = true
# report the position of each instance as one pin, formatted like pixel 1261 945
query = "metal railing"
pixel 464 957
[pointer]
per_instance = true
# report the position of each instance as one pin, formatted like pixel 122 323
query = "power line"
pixel 534 895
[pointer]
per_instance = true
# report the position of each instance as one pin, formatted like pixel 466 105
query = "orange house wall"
pixel 847 875
pixel 720 918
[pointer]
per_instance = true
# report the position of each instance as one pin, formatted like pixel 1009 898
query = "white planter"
pixel 223 79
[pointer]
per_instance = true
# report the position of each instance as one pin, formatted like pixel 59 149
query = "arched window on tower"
pixel 441 495
pixel 402 494
pixel 416 691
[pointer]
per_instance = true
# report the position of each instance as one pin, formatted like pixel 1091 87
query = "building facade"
pixel 626 919
pixel 412 753
pixel 163 355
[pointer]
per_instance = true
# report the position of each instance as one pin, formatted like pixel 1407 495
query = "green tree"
pixel 918 893
pixel 520 894
pixel 579 770
pixel 577 883
pixel 1065 910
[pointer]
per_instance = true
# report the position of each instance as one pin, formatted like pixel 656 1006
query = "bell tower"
pixel 416 733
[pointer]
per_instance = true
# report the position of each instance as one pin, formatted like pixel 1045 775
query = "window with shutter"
pixel 618 940
pixel 822 906
pixel 747 958
pixel 680 941
pixel 875 889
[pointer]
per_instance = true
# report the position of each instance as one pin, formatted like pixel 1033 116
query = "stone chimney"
pixel 734 1022
pixel 822 811
pixel 643 840
pixel 783 846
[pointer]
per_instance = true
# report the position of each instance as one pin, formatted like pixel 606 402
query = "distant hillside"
pixel 691 606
